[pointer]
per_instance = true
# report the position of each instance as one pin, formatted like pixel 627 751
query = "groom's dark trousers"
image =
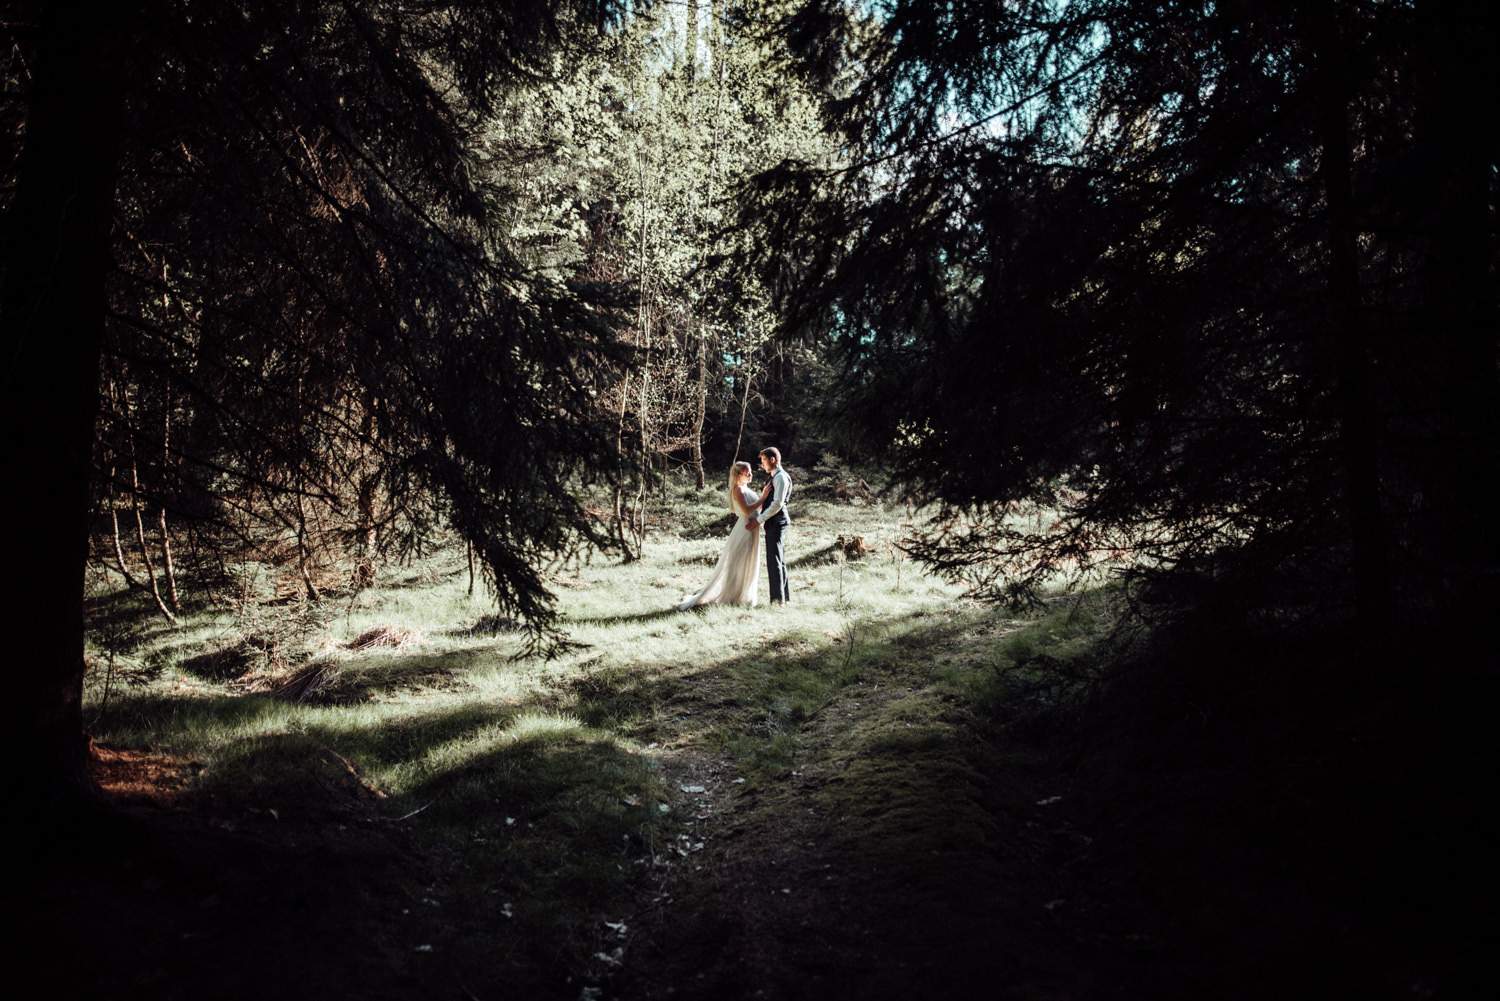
pixel 775 528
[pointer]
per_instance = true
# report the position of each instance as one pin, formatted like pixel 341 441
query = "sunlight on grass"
pixel 543 728
pixel 547 777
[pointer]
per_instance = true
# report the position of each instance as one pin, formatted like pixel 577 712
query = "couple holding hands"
pixel 736 578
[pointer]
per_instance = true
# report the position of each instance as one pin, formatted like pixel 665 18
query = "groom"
pixel 773 515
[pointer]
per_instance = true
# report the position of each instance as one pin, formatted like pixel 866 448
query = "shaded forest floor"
pixel 884 867
pixel 943 815
pixel 1157 855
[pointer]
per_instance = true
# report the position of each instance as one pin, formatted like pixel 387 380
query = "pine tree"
pixel 1157 269
pixel 271 221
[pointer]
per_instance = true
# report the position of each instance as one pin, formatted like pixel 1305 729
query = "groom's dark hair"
pixel 773 452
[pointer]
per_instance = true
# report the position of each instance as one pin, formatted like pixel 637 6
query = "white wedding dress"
pixel 736 579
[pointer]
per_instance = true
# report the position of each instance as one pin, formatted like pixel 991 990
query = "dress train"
pixel 736 577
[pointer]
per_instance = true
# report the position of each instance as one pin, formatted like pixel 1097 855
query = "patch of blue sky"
pixel 1043 83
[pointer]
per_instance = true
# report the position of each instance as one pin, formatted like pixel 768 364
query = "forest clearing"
pixel 883 790
pixel 371 372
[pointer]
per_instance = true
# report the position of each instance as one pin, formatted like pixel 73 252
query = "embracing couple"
pixel 736 578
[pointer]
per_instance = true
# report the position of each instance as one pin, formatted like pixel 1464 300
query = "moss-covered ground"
pixel 882 790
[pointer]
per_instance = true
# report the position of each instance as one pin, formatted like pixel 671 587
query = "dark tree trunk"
pixel 1356 408
pixel 1460 308
pixel 52 314
pixel 304 557
pixel 369 479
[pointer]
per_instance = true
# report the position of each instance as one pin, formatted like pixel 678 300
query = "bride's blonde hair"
pixel 734 473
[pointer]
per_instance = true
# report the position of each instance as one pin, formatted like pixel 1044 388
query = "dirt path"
pixel 875 870
pixel 905 858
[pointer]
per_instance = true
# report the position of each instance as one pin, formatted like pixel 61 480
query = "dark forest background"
pixel 1213 282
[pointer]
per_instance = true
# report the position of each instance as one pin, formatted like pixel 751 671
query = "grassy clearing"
pixel 549 796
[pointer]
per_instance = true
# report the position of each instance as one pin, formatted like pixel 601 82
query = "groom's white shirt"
pixel 781 489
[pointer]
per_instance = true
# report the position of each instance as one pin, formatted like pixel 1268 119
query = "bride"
pixel 736 579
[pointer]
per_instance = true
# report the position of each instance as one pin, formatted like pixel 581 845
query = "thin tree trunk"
pixel 637 514
pixel 302 554
pixel 721 66
pixel 114 519
pixel 690 46
pixel 739 438
pixel 368 481
pixel 112 396
pixel 166 559
pixel 161 521
pixel 140 535
pixel 701 413
pixel 619 505
pixel 690 98
pixel 638 506
pixel 1358 428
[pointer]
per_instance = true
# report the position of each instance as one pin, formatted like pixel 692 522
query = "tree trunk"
pixel 700 413
pixel 469 551
pixel 114 521
pixel 638 513
pixel 166 558
pixel 140 536
pixel 52 316
pixel 1355 402
pixel 690 46
pixel 720 67
pixel 161 520
pixel 303 557
pixel 1460 293
pixel 739 438
pixel 626 541
pixel 369 479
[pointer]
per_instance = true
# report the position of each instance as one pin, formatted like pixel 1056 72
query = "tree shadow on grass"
pixel 127 620
pixel 816 558
pixel 522 831
pixel 444 670
pixel 491 624
pixel 717 528
pixel 537 824
pixel 766 690
pixel 122 609
pixel 164 905
pixel 557 828
pixel 269 745
pixel 610 620
pixel 538 810
pixel 752 698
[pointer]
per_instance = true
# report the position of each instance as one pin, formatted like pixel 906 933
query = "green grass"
pixel 547 783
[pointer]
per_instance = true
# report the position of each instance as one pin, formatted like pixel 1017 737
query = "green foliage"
pixel 621 172
pixel 319 341
pixel 1153 270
